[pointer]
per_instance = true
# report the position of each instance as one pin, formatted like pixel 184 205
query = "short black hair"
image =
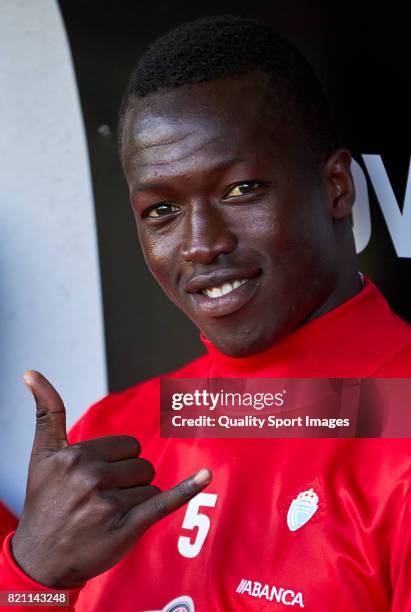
pixel 226 46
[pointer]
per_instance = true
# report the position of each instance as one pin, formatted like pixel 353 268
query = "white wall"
pixel 50 303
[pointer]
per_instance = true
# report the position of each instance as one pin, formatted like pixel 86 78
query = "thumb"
pixel 50 434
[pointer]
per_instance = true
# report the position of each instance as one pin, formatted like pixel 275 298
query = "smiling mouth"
pixel 223 289
pixel 226 298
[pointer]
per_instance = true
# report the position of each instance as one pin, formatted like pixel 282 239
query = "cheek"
pixel 159 254
pixel 290 244
pixel 271 234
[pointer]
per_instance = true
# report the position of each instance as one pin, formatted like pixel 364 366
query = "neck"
pixel 347 287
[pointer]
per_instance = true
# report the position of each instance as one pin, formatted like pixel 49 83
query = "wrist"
pixel 45 572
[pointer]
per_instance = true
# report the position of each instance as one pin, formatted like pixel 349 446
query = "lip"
pixel 219 277
pixel 230 302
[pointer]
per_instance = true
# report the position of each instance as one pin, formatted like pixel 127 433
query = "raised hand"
pixel 87 503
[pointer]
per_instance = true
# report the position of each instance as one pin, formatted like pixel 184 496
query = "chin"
pixel 243 344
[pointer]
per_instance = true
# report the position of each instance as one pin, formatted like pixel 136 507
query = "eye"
pixel 242 189
pixel 161 210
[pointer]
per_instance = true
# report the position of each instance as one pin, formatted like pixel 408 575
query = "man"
pixel 242 200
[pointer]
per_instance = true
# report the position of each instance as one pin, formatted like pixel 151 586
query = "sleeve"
pixel 13 579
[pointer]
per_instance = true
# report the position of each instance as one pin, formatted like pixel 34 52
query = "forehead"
pixel 221 100
pixel 189 136
pixel 219 120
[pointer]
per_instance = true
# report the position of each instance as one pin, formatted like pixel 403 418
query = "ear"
pixel 339 183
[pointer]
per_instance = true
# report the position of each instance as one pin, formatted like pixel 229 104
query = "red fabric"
pixel 353 554
pixel 8 522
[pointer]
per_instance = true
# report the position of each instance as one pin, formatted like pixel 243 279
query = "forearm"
pixel 14 581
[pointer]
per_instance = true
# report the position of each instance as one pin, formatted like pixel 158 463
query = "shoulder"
pixel 135 408
pixel 389 336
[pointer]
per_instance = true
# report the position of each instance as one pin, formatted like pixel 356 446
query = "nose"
pixel 206 234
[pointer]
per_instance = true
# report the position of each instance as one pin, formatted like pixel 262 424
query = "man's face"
pixel 232 214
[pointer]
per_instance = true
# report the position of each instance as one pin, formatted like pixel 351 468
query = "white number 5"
pixel 193 518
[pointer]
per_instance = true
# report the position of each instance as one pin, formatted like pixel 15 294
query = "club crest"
pixel 301 509
pixel 180 604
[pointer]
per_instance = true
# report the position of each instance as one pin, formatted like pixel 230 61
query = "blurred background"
pixel 76 299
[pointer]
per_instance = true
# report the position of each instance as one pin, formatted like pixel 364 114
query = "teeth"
pixel 215 292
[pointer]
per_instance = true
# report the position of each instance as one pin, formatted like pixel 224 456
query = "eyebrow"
pixel 219 167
